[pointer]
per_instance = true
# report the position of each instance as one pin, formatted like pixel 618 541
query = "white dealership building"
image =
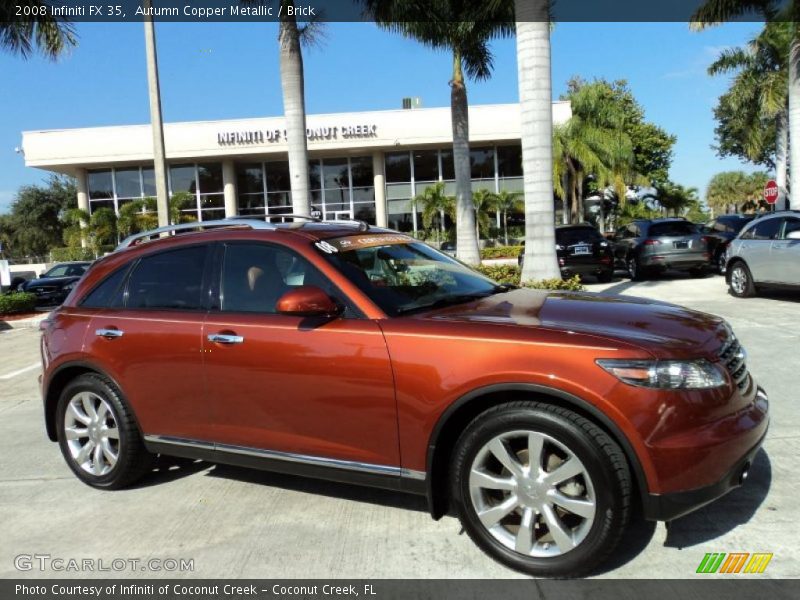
pixel 365 165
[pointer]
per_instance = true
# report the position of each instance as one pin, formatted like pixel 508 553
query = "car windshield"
pixel 672 228
pixel 569 237
pixel 66 271
pixel 403 276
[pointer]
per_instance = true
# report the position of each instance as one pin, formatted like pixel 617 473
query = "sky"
pixel 230 70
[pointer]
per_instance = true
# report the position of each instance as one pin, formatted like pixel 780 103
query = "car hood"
pixel 663 329
pixel 49 281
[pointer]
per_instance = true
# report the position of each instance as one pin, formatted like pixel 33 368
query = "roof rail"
pixel 362 225
pixel 170 229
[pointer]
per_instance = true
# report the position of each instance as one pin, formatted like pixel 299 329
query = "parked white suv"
pixel 765 253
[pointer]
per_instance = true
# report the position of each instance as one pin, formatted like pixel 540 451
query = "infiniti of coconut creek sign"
pixel 268 136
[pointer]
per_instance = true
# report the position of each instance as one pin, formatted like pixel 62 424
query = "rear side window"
pixel 108 292
pixel 172 279
pixel 672 228
pixel 765 230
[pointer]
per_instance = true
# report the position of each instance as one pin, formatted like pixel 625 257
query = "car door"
pixel 296 388
pixel 785 253
pixel 756 248
pixel 149 341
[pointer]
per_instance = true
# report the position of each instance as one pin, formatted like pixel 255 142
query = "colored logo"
pixel 734 562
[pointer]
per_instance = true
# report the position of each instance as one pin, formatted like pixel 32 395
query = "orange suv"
pixel 357 354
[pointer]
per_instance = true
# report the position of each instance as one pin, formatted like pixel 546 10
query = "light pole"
pixel 159 157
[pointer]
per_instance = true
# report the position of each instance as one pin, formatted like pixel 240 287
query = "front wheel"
pixel 740 281
pixel 634 269
pixel 98 436
pixel 541 489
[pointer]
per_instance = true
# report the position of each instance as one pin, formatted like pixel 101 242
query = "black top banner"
pixel 356 10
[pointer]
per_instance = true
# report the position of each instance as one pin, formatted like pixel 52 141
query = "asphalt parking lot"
pixel 239 523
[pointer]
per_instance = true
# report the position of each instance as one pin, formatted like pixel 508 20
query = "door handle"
pixel 109 334
pixel 224 338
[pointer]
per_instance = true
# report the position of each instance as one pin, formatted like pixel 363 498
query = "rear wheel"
pixel 719 263
pixel 98 436
pixel 605 276
pixel 740 281
pixel 541 489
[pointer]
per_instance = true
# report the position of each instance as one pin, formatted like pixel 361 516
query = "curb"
pixel 29 323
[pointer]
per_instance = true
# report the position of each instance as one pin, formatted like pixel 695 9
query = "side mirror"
pixel 793 235
pixel 307 301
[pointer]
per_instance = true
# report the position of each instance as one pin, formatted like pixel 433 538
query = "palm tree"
pixel 290 37
pixel 51 36
pixel 465 28
pixel 536 113
pixel 435 205
pixel 758 96
pixel 483 200
pixel 675 198
pixel 716 11
pixel 506 202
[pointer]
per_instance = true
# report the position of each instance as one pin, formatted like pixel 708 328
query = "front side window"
pixel 255 276
pixel 766 230
pixel 168 280
pixel 402 276
pixel 792 224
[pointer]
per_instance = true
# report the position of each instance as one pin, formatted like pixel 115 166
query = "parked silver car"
pixel 765 253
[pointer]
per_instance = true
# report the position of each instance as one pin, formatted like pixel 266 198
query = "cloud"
pixel 699 64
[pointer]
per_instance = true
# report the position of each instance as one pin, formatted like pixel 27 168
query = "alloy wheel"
pixel 91 432
pixel 532 494
pixel 739 279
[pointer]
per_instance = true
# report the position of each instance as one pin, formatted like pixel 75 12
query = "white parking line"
pixel 20 371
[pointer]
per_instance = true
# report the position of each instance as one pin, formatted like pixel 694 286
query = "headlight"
pixel 665 374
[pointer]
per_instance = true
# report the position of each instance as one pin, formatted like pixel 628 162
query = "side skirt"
pixel 342 471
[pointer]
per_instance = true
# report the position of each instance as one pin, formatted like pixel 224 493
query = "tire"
pixel 92 405
pixel 635 270
pixel 740 281
pixel 600 487
pixel 698 272
pixel 719 263
pixel 605 276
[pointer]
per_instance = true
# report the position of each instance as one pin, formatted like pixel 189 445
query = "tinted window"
pixel 57 271
pixel 108 292
pixel 672 228
pixel 255 276
pixel 398 167
pixel 568 237
pixel 426 165
pixel 766 230
pixel 169 280
pixel 792 224
pixel 736 225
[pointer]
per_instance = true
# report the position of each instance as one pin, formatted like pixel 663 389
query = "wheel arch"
pixel 729 265
pixel 56 383
pixel 458 415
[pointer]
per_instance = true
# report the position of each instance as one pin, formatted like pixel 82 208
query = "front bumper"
pixel 670 506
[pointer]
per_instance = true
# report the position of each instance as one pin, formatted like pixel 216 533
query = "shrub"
pixel 71 253
pixel 501 252
pixel 501 273
pixel 573 284
pixel 17 302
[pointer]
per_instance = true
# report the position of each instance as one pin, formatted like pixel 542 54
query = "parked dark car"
pixel 53 286
pixel 582 250
pixel 645 247
pixel 719 232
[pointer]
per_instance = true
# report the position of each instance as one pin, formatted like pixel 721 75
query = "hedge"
pixel 511 274
pixel 66 254
pixel 501 252
pixel 17 302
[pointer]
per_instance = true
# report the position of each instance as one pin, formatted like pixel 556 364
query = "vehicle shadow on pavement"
pixel 727 513
pixel 356 493
pixel 171 468
pixel 634 541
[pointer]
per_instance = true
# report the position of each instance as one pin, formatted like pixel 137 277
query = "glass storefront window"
pixel 278 179
pixel 509 161
pixel 361 171
pixel 314 174
pixel 249 178
pixel 335 173
pixel 364 194
pixel 212 201
pixel 426 165
pixel 100 185
pixel 182 179
pixel 127 181
pixel 448 168
pixel 210 178
pixel 365 212
pixel 481 162
pixel 398 167
pixel 278 200
pixel 96 204
pixel 148 181
pixel 251 204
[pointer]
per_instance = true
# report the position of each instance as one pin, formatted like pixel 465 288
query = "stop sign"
pixel 771 192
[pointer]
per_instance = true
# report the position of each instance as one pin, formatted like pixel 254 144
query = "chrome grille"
pixel 733 356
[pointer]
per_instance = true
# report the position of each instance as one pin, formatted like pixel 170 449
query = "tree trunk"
pixel 794 123
pixel 505 226
pixel 294 109
pixel 536 112
pixel 782 147
pixel 466 221
pixel 581 217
